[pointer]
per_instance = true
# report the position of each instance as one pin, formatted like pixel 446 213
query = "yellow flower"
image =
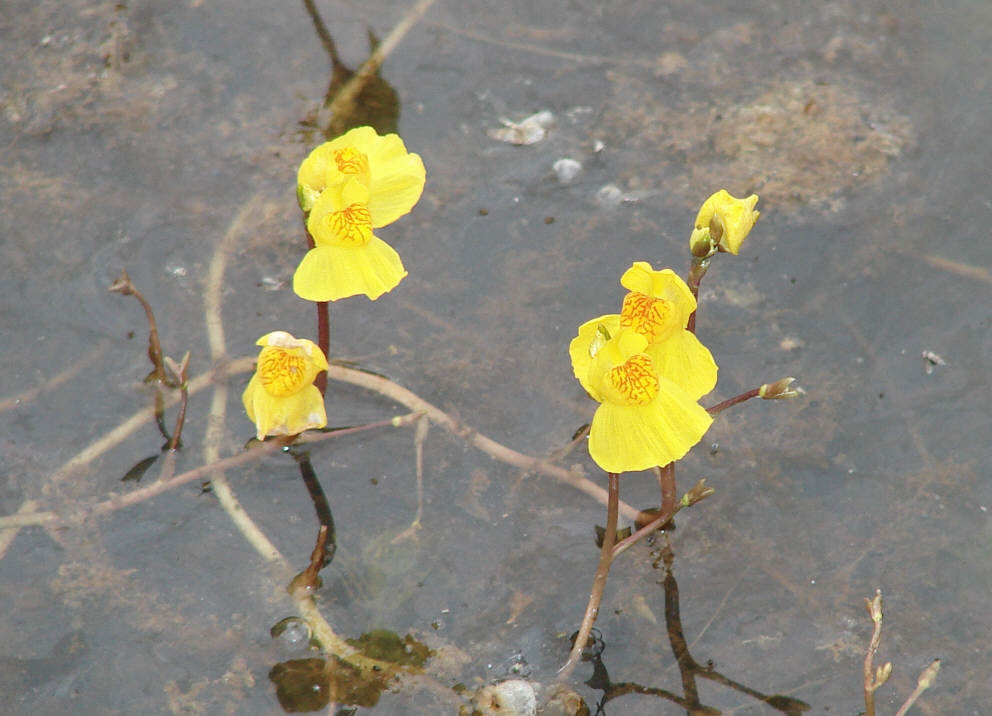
pixel 643 419
pixel 658 307
pixel 281 398
pixel 347 258
pixel 727 219
pixel 394 177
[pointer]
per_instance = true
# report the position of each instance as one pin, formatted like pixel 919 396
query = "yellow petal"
pixel 685 361
pixel 395 188
pixel 626 438
pixel 579 348
pixel 363 139
pixel 623 345
pixel 304 347
pixel 248 399
pixel 329 273
pixel 287 415
pixel 730 220
pixel 664 285
pixel 633 382
pixel 311 179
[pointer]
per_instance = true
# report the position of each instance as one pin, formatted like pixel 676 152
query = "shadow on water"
pixel 165 138
pixel 689 669
pixel 375 103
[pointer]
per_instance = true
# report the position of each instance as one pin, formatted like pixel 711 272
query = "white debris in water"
pixel 931 359
pixel 515 697
pixel 270 283
pixel 566 169
pixel 530 130
pixel 609 196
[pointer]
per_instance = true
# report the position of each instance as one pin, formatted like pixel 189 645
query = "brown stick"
pixel 116 502
pixel 492 448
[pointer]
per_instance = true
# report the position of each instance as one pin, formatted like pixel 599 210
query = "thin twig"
pixel 123 431
pixel 351 376
pixel 420 437
pixel 663 518
pixel 729 402
pixel 414 402
pixel 698 493
pixel 7 535
pixel 19 400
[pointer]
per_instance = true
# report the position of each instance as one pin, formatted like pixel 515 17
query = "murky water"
pixel 140 136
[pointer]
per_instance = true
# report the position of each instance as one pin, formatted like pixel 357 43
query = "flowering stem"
pixel 606 555
pixel 697 270
pixel 720 407
pixel 666 477
pixel 323 323
pixel 323 341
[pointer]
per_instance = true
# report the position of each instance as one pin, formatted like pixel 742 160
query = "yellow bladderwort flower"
pixel 394 177
pixel 658 307
pixel 724 221
pixel 281 398
pixel 347 258
pixel 643 419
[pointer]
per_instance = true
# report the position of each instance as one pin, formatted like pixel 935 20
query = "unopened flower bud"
pixel 701 243
pixel 929 675
pixel 780 389
pixel 696 494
